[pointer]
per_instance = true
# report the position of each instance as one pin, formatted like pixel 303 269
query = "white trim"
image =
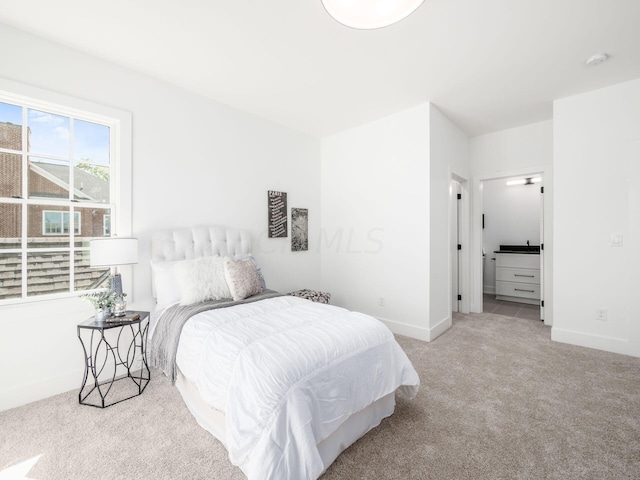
pixel 420 333
pixel 464 280
pixel 43 388
pixel 598 342
pixel 413 331
pixel 476 257
pixel 46 99
pixel 120 144
pixel 439 328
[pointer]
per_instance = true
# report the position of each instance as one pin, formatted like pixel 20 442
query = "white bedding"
pixel 287 373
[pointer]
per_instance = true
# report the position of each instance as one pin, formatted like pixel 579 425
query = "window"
pixel 57 223
pixel 61 184
pixel 106 225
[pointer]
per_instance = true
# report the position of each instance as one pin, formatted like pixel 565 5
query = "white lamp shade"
pixel 108 252
pixel 370 14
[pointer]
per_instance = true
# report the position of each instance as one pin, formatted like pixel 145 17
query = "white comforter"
pixel 287 372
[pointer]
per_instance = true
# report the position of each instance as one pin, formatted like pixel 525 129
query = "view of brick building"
pixel 48 225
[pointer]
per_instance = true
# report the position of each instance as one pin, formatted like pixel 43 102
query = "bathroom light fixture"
pixel 524 181
pixel 370 14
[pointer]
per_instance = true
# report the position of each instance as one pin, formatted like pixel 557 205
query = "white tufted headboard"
pixel 187 243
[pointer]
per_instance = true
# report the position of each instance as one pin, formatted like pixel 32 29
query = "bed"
pixel 284 383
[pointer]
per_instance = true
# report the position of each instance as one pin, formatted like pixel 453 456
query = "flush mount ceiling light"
pixel 370 14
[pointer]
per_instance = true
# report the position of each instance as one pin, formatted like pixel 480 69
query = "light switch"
pixel 616 240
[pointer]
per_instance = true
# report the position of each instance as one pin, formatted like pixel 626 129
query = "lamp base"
pixel 116 285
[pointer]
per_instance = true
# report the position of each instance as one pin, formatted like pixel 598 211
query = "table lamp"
pixel 111 252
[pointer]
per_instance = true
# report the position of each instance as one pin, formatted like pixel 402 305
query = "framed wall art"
pixel 299 229
pixel 277 212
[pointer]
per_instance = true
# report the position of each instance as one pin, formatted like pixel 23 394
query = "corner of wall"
pixel 418 332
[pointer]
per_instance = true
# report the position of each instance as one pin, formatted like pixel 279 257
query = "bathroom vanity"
pixel 518 273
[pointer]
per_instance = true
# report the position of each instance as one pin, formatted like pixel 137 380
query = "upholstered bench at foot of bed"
pixel 313 295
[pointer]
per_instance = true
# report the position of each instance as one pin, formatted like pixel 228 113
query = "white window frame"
pixel 119 123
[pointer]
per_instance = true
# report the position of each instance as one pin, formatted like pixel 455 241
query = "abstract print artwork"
pixel 299 229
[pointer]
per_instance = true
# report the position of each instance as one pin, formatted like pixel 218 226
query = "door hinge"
pixel 459 196
pixel 542 246
pixel 459 247
pixel 541 189
pixel 459 297
pixel 542 303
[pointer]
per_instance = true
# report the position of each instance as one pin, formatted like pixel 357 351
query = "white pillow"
pixel 201 279
pixel 263 284
pixel 165 284
pixel 242 278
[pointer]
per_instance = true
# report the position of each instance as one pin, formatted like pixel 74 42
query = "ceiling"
pixel 488 65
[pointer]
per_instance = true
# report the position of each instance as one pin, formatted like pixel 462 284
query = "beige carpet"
pixel 499 401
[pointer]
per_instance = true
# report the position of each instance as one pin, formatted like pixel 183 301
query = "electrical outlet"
pixel 601 314
pixel 615 240
pixel 381 301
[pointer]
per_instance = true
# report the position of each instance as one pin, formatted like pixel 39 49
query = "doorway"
pixel 513 232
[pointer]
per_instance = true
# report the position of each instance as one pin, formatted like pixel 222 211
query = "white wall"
pixel 449 156
pixel 516 151
pixel 596 171
pixel 385 185
pixel 512 149
pixel 511 217
pixel 375 219
pixel 194 162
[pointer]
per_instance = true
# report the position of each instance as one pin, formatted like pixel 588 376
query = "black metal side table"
pixel 115 357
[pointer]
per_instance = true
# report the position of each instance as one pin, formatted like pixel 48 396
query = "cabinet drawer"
pixel 518 290
pixel 519 275
pixel 517 260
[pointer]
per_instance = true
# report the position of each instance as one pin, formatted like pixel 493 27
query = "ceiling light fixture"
pixel 596 59
pixel 524 181
pixel 370 14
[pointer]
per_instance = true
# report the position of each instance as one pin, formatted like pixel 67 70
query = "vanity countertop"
pixel 526 249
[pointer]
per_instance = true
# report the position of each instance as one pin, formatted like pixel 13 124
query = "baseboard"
pixel 420 333
pixel 441 327
pixel 47 387
pixel 598 342
pixel 489 290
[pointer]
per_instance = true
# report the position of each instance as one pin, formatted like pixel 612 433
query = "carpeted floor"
pixel 499 400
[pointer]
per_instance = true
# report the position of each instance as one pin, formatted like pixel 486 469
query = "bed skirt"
pixel 352 429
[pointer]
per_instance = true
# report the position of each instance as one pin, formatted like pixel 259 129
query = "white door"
pixel 456 191
pixel 542 250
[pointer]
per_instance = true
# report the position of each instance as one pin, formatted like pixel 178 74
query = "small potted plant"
pixel 103 302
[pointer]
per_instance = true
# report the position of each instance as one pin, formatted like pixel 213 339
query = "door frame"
pixel 463 256
pixel 546 235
